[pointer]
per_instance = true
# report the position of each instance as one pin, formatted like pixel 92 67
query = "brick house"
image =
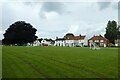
pixel 99 40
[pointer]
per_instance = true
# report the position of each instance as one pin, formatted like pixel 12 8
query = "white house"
pixel 71 41
pixel 47 42
pixel 75 41
pixel 42 42
pixel 35 43
pixel 59 42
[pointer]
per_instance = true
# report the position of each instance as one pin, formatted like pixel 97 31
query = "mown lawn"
pixel 59 62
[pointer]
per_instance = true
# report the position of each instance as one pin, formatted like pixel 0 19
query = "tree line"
pixel 20 33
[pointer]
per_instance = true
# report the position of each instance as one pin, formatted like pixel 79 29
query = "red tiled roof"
pixel 98 38
pixel 75 38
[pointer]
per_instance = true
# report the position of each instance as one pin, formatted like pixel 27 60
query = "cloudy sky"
pixel 56 18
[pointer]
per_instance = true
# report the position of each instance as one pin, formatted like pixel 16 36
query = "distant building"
pixel 47 42
pixel 36 43
pixel 59 42
pixel 99 40
pixel 42 42
pixel 75 41
pixel 71 41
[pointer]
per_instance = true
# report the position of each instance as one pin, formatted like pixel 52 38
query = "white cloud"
pixel 73 29
pixel 48 7
pixel 51 15
pixel 78 18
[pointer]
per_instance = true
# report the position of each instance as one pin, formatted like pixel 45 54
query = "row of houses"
pixel 73 41
pixel 42 42
pixel 82 41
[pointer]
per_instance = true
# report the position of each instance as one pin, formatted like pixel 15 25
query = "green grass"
pixel 59 62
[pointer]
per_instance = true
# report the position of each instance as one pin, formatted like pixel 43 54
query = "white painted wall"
pixel 59 43
pixel 85 41
pixel 71 42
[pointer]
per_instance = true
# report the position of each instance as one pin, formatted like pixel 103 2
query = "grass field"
pixel 59 62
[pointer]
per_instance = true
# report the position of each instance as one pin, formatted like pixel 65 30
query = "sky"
pixel 53 18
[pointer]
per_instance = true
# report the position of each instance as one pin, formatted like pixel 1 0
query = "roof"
pixel 98 38
pixel 75 38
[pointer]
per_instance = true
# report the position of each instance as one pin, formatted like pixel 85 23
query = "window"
pixel 70 40
pixel 67 40
pixel 80 40
pixel 96 40
pixel 101 40
pixel 91 41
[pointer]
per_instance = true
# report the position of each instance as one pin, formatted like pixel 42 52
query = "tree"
pixel 40 39
pixel 111 31
pixel 118 30
pixel 69 35
pixel 19 33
